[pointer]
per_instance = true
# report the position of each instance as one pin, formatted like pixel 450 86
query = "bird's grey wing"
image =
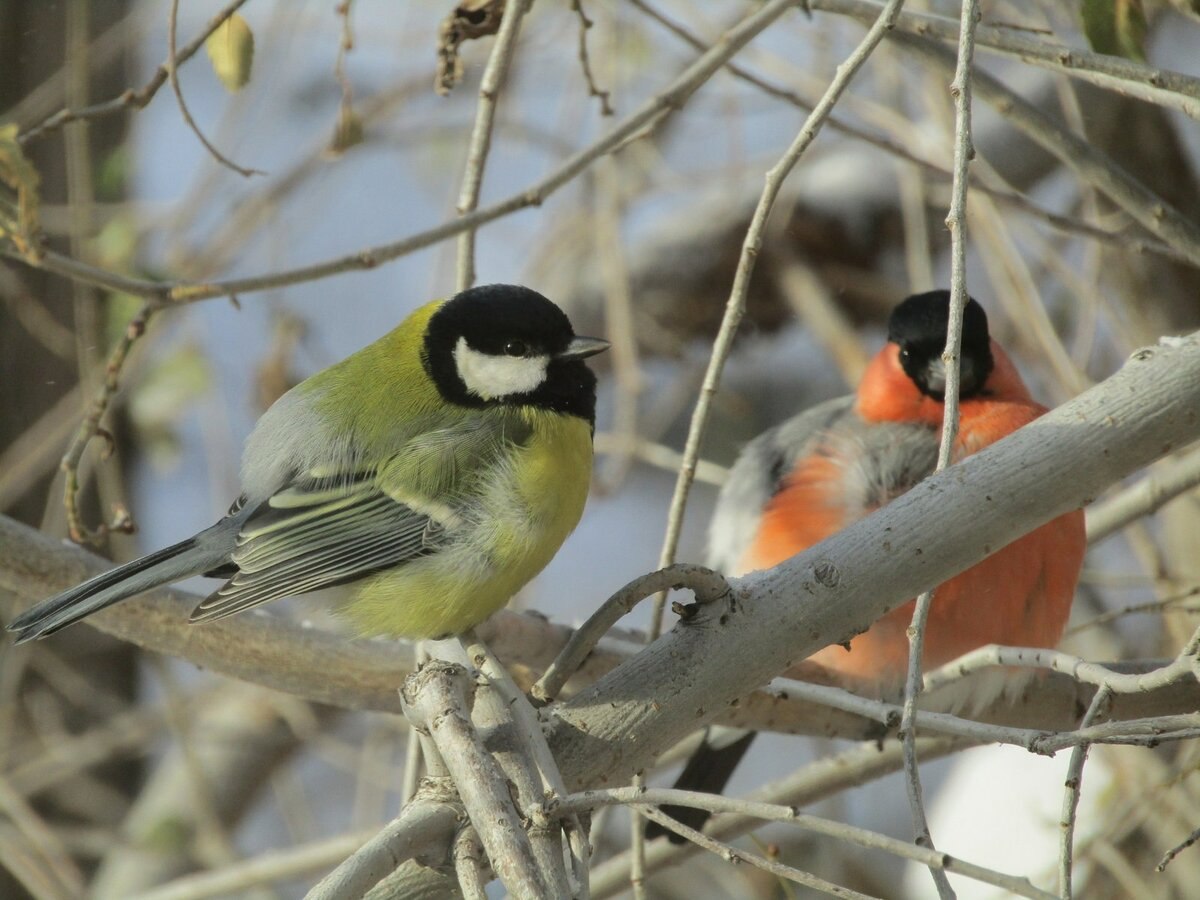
pixel 324 530
pixel 758 475
pixel 877 462
pixel 318 533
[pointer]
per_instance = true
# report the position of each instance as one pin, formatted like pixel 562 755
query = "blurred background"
pixel 121 771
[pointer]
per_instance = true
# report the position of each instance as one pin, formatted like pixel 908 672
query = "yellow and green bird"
pixel 428 477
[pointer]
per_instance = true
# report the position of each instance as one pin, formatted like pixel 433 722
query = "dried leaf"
pixel 348 132
pixel 470 20
pixel 18 197
pixel 231 51
pixel 1115 27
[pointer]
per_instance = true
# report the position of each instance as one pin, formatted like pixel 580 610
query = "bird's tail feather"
pixel 708 771
pixel 191 557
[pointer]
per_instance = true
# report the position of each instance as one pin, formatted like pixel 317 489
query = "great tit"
pixel 432 474
pixel 808 478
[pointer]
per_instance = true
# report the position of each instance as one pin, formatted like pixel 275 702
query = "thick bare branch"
pixel 836 588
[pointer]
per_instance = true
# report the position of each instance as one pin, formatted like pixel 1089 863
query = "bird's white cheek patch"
pixel 491 377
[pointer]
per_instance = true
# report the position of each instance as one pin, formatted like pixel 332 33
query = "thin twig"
pixel 1176 850
pixel 1185 665
pixel 791 815
pixel 735 307
pixel 481 134
pixel 90 427
pixel 1073 783
pixel 811 783
pixel 646 117
pixel 130 99
pixel 173 77
pixel 585 62
pixel 956 222
pixel 707 585
pixel 637 845
pixel 732 854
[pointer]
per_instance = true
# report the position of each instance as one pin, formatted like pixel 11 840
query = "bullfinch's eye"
pixel 515 348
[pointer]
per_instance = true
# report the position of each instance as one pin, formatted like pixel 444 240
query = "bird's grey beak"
pixel 582 348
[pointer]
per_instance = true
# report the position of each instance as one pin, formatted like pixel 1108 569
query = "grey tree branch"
pixel 518 746
pixel 437 700
pixel 432 812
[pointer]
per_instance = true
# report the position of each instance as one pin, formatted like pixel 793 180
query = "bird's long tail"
pixel 708 771
pixel 205 551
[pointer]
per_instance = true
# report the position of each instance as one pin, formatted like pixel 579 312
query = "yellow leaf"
pixel 231 51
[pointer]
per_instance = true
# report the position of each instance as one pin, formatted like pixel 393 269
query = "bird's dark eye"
pixel 905 353
pixel 515 348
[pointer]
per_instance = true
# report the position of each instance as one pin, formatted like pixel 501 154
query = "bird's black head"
pixel 918 327
pixel 504 344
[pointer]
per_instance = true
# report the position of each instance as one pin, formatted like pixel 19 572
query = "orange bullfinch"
pixel 831 465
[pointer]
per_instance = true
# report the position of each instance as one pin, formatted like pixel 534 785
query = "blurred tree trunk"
pixel 39 364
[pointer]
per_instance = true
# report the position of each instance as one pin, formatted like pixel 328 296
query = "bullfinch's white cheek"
pixel 492 377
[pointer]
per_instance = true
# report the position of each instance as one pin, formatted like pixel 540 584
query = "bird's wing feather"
pixel 324 530
pixel 756 477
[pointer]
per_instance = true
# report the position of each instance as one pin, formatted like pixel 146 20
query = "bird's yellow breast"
pixel 527 507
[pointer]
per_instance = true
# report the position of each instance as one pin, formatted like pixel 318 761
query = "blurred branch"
pixel 900 151
pixel 1124 76
pixel 649 115
pixel 1158 488
pixel 90 428
pixel 1076 153
pixel 131 99
pixel 276 865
